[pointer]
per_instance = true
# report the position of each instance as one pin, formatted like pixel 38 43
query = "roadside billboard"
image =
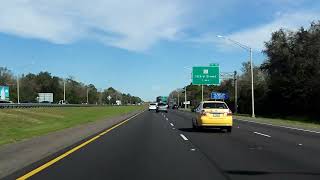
pixel 4 93
pixel 45 97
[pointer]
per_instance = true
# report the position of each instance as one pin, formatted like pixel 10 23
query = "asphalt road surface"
pixel 164 146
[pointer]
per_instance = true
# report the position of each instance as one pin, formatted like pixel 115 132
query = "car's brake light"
pixel 203 113
pixel 229 113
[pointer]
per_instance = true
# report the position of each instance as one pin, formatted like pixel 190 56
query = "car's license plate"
pixel 216 115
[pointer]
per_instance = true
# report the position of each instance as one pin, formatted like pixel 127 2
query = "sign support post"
pixel 202 93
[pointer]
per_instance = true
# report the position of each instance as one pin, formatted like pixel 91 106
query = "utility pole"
pixel 100 99
pixel 235 92
pixel 247 48
pixel 178 98
pixel 18 89
pixel 252 88
pixel 185 97
pixel 87 95
pixel 64 91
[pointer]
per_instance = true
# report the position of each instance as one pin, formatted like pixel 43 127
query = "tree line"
pixel 76 92
pixel 286 84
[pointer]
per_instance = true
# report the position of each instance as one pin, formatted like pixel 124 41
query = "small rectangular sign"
pixel 43 97
pixel 219 96
pixel 186 102
pixel 4 93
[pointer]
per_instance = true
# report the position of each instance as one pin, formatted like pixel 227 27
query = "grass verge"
pixel 19 124
pixel 282 122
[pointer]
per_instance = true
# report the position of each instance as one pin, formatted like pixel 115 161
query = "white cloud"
pixel 255 37
pixel 133 25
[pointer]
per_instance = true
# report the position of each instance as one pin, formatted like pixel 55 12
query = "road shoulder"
pixel 16 156
pixel 288 124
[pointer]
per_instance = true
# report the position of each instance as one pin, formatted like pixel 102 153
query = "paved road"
pixel 164 146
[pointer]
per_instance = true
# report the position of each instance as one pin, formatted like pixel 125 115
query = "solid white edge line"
pixel 183 137
pixel 298 129
pixel 171 124
pixel 266 135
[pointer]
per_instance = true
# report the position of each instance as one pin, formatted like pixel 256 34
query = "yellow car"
pixel 214 114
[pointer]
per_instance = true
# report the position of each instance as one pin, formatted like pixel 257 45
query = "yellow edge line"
pixel 53 161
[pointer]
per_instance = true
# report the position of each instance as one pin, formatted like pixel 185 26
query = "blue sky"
pixel 140 47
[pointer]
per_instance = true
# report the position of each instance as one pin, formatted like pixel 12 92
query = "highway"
pixel 164 146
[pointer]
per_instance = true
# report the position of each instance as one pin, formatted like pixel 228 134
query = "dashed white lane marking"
pixel 192 149
pixel 167 119
pixel 300 144
pixel 183 137
pixel 171 124
pixel 265 135
pixel 298 129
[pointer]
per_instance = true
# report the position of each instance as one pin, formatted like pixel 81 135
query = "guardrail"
pixel 38 105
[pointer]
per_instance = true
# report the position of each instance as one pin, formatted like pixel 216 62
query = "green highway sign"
pixel 206 75
pixel 163 99
pixel 214 64
pixel 4 93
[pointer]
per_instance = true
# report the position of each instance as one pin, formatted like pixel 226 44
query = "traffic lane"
pixel 285 135
pixel 309 136
pixel 245 155
pixel 257 153
pixel 144 148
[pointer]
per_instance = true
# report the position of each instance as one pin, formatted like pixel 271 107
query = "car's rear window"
pixel 161 104
pixel 152 104
pixel 214 106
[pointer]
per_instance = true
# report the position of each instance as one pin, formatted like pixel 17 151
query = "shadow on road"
pixel 255 173
pixel 202 130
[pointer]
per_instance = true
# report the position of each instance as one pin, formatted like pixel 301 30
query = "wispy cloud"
pixel 136 25
pixel 133 25
pixel 255 37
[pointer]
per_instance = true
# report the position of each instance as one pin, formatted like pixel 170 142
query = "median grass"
pixel 19 124
pixel 295 123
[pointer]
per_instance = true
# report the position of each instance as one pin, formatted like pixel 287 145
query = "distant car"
pixel 5 102
pixel 45 102
pixel 152 106
pixel 26 102
pixel 162 107
pixel 62 102
pixel 175 107
pixel 213 114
